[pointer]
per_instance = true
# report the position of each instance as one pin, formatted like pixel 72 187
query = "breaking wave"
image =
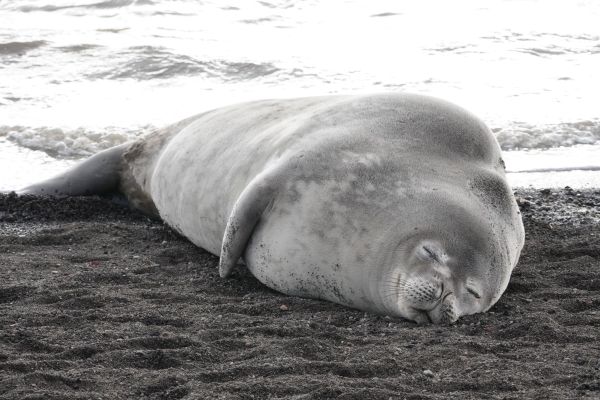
pixel 82 142
pixel 61 143
pixel 517 136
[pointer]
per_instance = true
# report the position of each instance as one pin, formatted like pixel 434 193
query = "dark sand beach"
pixel 99 302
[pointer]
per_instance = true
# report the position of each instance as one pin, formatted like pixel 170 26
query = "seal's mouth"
pixel 445 296
pixel 443 312
pixel 424 300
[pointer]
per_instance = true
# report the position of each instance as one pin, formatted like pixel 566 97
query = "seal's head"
pixel 432 285
pixel 451 256
pixel 440 275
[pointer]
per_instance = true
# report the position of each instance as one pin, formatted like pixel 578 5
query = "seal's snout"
pixel 431 300
pixel 423 293
pixel 445 312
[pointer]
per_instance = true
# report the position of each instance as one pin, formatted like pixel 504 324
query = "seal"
pixel 390 203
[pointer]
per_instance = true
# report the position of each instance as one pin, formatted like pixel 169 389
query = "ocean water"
pixel 79 76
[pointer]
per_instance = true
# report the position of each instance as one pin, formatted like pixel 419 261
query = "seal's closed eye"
pixel 430 252
pixel 473 292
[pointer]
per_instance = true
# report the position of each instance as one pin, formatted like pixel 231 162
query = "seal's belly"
pixel 313 243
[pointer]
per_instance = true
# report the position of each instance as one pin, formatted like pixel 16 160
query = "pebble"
pixel 428 372
pixel 283 307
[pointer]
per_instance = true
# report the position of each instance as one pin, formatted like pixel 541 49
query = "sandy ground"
pixel 97 301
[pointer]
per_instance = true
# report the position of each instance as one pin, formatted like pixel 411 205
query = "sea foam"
pixel 63 143
pixel 67 144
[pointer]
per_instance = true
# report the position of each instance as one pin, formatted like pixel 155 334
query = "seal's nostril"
pixel 446 295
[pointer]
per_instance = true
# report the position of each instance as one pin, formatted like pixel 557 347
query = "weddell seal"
pixel 391 203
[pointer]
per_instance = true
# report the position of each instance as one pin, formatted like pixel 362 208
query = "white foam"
pixel 517 136
pixel 81 142
pixel 64 143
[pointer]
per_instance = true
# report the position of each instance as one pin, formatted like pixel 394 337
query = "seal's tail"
pixel 98 174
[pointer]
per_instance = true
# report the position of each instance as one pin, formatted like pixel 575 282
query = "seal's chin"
pixel 443 314
pixel 420 317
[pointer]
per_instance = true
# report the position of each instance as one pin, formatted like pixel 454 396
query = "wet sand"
pixel 97 301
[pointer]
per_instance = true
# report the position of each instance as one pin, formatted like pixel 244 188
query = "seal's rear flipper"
pixel 247 211
pixel 96 175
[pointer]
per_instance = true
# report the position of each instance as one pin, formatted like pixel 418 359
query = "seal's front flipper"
pixel 247 211
pixel 96 175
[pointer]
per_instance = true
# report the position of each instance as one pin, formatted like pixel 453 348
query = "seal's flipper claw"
pixel 246 214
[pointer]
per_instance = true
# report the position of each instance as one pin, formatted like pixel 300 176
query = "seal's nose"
pixel 445 312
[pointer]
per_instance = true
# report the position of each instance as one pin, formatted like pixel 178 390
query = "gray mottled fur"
pixel 353 199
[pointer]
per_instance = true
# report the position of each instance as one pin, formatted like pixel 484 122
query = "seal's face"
pixel 432 285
